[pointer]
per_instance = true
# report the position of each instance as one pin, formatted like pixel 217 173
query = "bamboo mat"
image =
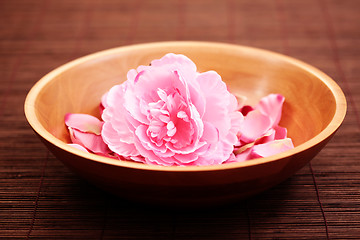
pixel 41 199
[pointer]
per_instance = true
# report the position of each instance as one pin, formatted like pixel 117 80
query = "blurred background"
pixel 41 199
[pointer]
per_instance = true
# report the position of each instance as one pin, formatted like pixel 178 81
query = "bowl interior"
pixel 78 86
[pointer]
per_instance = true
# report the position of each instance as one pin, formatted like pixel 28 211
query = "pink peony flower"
pixel 169 114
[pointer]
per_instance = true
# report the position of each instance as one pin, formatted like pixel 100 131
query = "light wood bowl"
pixel 314 108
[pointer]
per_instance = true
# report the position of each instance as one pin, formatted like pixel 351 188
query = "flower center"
pixel 169 119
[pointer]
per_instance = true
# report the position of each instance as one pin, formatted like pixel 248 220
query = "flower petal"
pixel 90 141
pixel 175 61
pixel 267 137
pixel 254 126
pixel 280 132
pixel 243 156
pixel 84 123
pixel 78 147
pixel 211 133
pixel 271 106
pixel 218 99
pixel 103 103
pixel 186 159
pixel 272 148
pixel 113 140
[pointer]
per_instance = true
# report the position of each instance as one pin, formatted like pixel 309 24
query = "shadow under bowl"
pixel 314 109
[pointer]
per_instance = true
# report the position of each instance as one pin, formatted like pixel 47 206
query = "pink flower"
pixel 169 114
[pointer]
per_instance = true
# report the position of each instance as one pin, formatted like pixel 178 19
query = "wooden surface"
pixel 41 199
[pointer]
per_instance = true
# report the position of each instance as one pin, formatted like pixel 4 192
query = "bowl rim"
pixel 331 128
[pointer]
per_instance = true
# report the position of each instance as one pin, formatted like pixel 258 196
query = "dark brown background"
pixel 41 199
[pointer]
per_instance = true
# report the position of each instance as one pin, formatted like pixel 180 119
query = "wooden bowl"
pixel 314 109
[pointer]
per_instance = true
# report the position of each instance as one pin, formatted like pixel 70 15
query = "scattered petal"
pixel 272 148
pixel 280 132
pixel 92 142
pixel 254 126
pixel 78 147
pixel 271 106
pixel 84 123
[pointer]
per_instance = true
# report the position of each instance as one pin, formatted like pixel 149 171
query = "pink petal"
pixel 207 160
pixel 151 158
pixel 83 122
pixel 115 114
pixel 186 159
pixel 271 106
pixel 90 141
pixel 180 64
pixel 110 155
pixel 103 103
pixel 211 133
pixel 132 73
pixel 114 97
pixel 231 159
pixel 177 60
pixel 280 132
pixel 113 139
pixel 141 134
pixel 218 99
pixel 272 148
pixel 243 156
pixel 254 126
pixel 78 147
pixel 267 137
pixel 236 120
pixel 146 89
pixel 138 159
pixel 197 97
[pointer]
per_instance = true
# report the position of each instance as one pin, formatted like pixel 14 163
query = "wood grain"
pixel 46 201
